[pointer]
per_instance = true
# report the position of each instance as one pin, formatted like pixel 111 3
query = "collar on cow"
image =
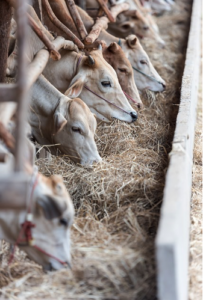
pixel 146 75
pixel 87 88
pixel 26 227
pixel 119 43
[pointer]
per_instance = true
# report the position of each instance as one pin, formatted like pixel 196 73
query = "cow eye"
pixel 63 222
pixel 76 129
pixel 143 62
pixel 106 83
pixel 122 70
pixel 146 27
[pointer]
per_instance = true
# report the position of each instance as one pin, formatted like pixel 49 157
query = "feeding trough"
pixel 172 242
pixel 118 201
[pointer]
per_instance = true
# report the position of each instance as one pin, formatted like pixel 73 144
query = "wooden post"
pixel 61 26
pixel 22 107
pixel 81 3
pixel 77 19
pixel 5 21
pixel 105 8
pixel 101 23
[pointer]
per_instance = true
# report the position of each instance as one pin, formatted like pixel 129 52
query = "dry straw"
pixel 117 202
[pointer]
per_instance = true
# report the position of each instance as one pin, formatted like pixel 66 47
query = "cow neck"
pixel 43 89
pixel 109 38
pixel 28 224
pixel 94 93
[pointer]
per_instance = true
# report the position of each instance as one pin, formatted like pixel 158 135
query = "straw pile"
pixel 118 202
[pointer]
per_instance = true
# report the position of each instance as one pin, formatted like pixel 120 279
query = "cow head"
pixel 95 73
pixel 53 214
pixel 160 6
pixel 74 129
pixel 142 26
pixel 116 57
pixel 140 60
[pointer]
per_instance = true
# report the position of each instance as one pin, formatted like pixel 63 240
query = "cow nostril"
pixel 164 86
pixel 133 115
pixel 69 265
pixel 140 105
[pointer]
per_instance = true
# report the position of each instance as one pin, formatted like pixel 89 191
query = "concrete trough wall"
pixel 172 241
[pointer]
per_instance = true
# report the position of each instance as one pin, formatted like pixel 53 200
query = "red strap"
pixel 57 259
pixel 129 97
pixel 27 230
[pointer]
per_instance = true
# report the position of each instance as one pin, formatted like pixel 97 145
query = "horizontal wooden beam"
pixel 15 197
pixel 8 92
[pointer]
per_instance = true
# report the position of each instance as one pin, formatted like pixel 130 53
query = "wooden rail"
pixel 172 241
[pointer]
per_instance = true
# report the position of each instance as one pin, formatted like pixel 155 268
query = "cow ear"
pixel 75 90
pixel 59 122
pixel 113 47
pixel 132 41
pixel 51 207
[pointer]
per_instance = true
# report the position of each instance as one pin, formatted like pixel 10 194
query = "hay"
pixel 118 202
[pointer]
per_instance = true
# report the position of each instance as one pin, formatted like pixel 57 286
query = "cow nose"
pixel 134 116
pixel 96 160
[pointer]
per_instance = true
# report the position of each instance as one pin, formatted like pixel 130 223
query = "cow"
pixel 42 230
pixel 123 70
pixel 67 123
pixel 121 64
pixel 131 46
pixel 158 7
pixel 95 81
pixel 133 21
pixel 91 77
